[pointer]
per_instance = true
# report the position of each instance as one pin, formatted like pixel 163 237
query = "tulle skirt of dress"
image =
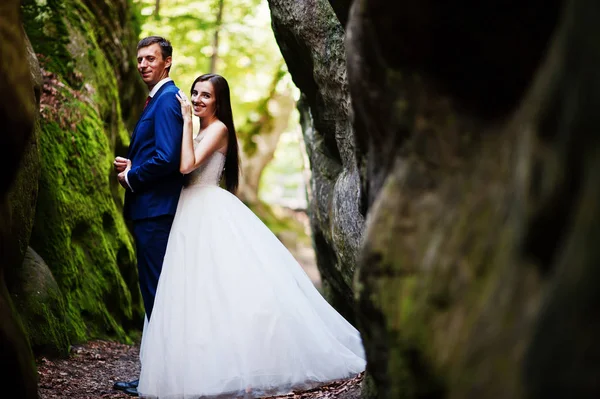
pixel 235 312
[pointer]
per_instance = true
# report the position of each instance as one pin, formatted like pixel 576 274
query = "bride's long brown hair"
pixel 224 114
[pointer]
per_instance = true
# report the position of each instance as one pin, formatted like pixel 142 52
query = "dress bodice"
pixel 209 173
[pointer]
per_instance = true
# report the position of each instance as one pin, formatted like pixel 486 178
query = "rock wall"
pixel 17 116
pixel 79 278
pixel 311 40
pixel 472 131
pixel 478 271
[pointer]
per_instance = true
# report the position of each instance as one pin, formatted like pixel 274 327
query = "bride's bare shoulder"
pixel 219 126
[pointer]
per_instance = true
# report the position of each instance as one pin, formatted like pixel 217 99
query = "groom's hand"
pixel 120 164
pixel 122 181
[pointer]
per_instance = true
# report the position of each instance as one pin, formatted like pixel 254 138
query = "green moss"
pixel 43 21
pixel 47 333
pixel 432 269
pixel 79 230
pixel 391 286
pixel 369 388
pixel 17 359
pixel 21 202
pixel 40 304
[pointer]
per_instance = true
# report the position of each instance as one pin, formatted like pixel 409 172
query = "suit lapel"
pixel 147 109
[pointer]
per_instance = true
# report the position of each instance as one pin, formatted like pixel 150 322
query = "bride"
pixel 234 314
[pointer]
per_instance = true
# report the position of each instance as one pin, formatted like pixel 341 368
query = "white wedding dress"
pixel 235 314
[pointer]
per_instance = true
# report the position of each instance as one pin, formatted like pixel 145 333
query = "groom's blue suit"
pixel 155 183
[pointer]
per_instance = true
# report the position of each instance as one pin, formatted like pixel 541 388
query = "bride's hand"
pixel 186 106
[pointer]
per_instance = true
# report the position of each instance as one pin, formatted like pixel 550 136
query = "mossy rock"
pixel 79 229
pixel 41 306
pixel 22 196
pixel 314 51
pixel 17 114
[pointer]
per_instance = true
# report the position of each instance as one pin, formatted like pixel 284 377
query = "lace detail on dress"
pixel 209 173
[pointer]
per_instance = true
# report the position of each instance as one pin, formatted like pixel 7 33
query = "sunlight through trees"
pixel 234 38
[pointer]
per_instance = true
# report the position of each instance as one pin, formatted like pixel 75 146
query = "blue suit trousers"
pixel 151 236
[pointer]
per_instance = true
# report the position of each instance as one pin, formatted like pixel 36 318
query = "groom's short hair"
pixel 165 46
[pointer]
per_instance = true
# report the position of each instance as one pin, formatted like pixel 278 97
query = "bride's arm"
pixel 187 140
pixel 215 137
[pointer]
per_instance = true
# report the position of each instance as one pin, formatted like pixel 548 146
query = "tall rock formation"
pixel 78 279
pixel 472 133
pixel 311 40
pixel 17 142
pixel 478 271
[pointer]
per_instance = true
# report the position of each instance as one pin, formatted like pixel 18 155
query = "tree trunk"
pixel 261 137
pixel 215 44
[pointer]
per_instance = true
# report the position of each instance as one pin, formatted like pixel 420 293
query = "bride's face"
pixel 203 99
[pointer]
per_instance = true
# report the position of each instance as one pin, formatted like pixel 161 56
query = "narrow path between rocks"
pixel 91 370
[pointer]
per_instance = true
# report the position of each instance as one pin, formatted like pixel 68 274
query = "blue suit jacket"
pixel 155 152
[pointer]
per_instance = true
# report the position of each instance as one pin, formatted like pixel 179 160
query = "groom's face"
pixel 151 64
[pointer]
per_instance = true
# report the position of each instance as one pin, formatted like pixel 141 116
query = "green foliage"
pixel 248 56
pixel 43 19
pixel 284 177
pixel 264 123
pixel 281 223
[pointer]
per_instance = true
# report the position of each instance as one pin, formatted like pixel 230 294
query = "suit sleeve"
pixel 168 129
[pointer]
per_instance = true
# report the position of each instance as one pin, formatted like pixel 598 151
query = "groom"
pixel 150 173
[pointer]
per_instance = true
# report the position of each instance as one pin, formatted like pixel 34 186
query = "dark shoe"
pixel 123 385
pixel 131 391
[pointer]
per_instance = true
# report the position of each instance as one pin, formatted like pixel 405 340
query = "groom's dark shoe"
pixel 131 391
pixel 123 385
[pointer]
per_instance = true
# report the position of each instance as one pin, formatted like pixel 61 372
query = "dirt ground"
pixel 91 370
